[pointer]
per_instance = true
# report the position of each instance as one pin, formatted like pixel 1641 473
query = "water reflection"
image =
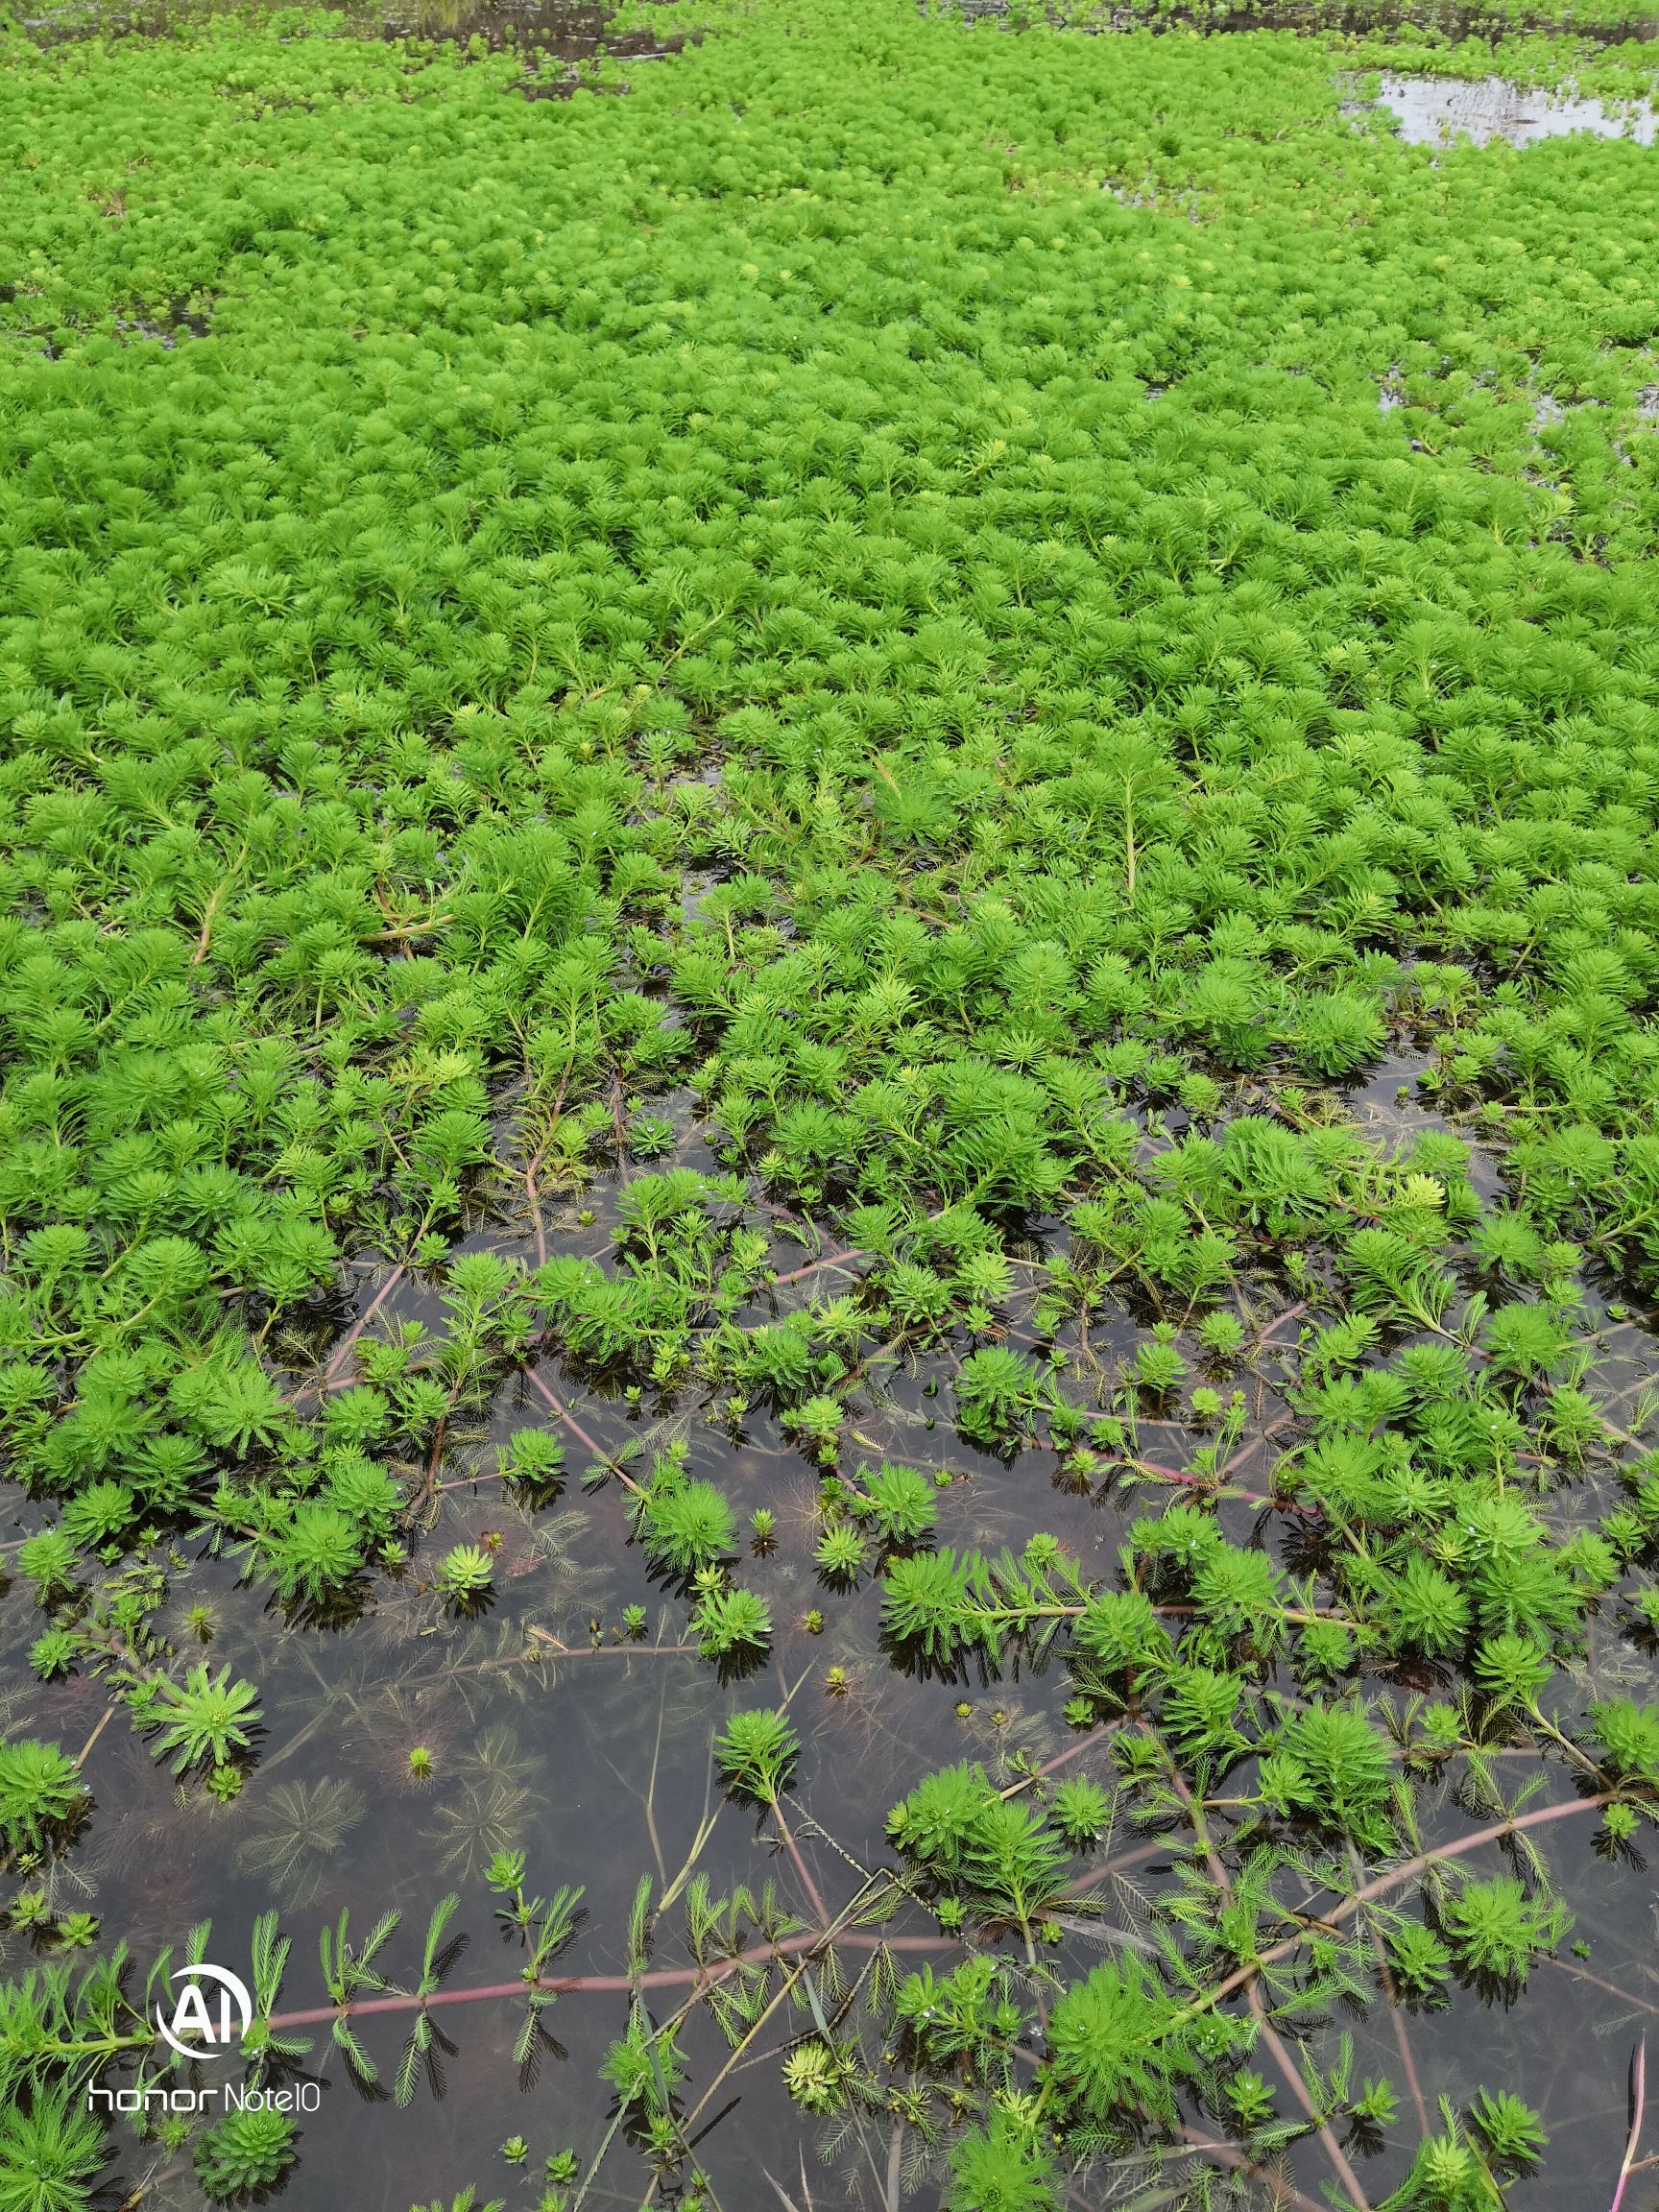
pixel 1435 110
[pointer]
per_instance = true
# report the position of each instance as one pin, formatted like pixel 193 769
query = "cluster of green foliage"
pixel 859 600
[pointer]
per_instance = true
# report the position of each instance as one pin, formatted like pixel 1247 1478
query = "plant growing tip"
pixel 465 1576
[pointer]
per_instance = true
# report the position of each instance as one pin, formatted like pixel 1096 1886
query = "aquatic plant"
pixel 840 1553
pixel 758 1751
pixel 314 1551
pixel 1510 2130
pixel 927 1600
pixel 1116 2041
pixel 1081 1810
pixel 902 1504
pixel 48 1558
pixel 1007 2167
pixel 51 2150
pixel 684 1525
pixel 463 1574
pixel 854 617
pixel 40 1789
pixel 730 1623
pixel 996 1394
pixel 98 1512
pixel 206 1717
pixel 297 1830
pixel 1494 1928
pixel 247 2150
pixel 998 1855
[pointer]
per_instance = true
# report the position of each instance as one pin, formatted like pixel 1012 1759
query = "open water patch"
pixel 1439 110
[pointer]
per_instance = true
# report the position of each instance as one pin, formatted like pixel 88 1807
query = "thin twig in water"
pixel 86 1751
pixel 812 1266
pixel 813 1896
pixel 1270 2035
pixel 344 1350
pixel 1228 2154
pixel 1404 1872
pixel 1401 2041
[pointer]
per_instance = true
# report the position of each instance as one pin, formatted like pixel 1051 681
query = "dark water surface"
pixel 550 1732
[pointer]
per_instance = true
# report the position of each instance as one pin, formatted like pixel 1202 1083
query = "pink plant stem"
pixel 697 1978
pixel 331 1374
pixel 1404 1873
pixel 471 1481
pixel 1638 2098
pixel 813 1896
pixel 1298 2088
pixel 1409 2066
pixel 1265 2027
pixel 1062 1758
pixel 1583 1974
pixel 1122 1864
pixel 531 1192
pixel 1278 1322
pixel 533 1198
pixel 1228 2154
pixel 1200 1483
pixel 565 1415
pixel 1492 1835
pixel 829 1260
pixel 86 1751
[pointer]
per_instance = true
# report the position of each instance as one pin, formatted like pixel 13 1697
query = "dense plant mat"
pixel 829 932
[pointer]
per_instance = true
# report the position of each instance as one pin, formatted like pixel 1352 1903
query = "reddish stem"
pixel 565 1415
pixel 1639 2096
pixel 1583 1974
pixel 589 1984
pixel 1289 1314
pixel 813 1895
pixel 531 1192
pixel 1228 2154
pixel 331 1377
pixel 1404 1873
pixel 1203 1482
pixel 829 1260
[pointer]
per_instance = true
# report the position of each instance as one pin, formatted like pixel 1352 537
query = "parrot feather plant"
pixel 903 791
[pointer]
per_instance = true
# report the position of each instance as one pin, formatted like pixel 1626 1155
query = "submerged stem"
pixel 596 1985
